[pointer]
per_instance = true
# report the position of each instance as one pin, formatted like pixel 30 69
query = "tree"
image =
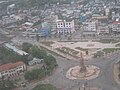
pixel 50 64
pixel 36 52
pixel 26 47
pixel 50 60
pixel 45 87
pixel 8 56
pixel 87 52
pixel 6 85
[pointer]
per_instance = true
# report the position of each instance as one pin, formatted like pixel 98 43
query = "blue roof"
pixel 15 49
pixel 11 47
pixel 43 30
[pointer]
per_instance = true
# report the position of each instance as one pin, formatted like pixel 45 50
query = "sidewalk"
pixel 116 73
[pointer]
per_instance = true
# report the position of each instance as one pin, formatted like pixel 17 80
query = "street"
pixel 105 80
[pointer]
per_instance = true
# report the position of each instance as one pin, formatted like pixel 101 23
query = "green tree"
pixel 50 60
pixel 6 85
pixel 36 52
pixel 50 64
pixel 26 47
pixel 45 87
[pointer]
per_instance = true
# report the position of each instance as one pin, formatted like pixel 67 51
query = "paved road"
pixel 105 79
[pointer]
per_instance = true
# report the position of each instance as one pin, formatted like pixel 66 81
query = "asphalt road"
pixel 105 79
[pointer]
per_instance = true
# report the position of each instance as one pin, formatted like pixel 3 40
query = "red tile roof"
pixel 10 66
pixel 116 22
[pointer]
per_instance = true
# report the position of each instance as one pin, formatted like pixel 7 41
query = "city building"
pixel 103 26
pixel 103 29
pixel 12 69
pixel 65 25
pixel 11 9
pixel 12 19
pixel 14 49
pixel 35 61
pixel 115 26
pixel 44 31
pixel 107 11
pixel 53 24
pixel 90 27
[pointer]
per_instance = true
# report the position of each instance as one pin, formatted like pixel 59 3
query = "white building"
pixel 103 29
pixel 16 50
pixel 90 26
pixel 107 11
pixel 65 25
pixel 11 69
pixel 35 61
pixel 116 26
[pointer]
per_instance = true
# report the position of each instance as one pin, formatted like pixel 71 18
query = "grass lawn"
pixel 82 49
pixel 45 87
pixel 109 50
pixel 108 41
pixel 71 51
pixel 68 51
pixel 47 43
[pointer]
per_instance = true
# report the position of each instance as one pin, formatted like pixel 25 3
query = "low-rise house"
pixel 12 19
pixel 16 50
pixel 12 69
pixel 35 61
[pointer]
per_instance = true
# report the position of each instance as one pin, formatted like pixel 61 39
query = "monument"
pixel 82 65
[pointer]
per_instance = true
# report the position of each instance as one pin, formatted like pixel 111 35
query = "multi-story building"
pixel 12 69
pixel 65 25
pixel 116 26
pixel 103 29
pixel 90 27
pixel 103 26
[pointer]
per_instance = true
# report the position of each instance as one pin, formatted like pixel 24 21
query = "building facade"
pixel 116 26
pixel 103 29
pixel 35 61
pixel 90 26
pixel 12 69
pixel 65 26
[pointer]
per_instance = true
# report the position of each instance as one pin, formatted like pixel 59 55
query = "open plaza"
pixel 89 49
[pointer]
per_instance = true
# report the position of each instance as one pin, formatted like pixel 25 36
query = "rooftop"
pixel 68 19
pixel 9 66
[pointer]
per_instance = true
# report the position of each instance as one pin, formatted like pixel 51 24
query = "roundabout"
pixel 83 72
pixel 90 73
